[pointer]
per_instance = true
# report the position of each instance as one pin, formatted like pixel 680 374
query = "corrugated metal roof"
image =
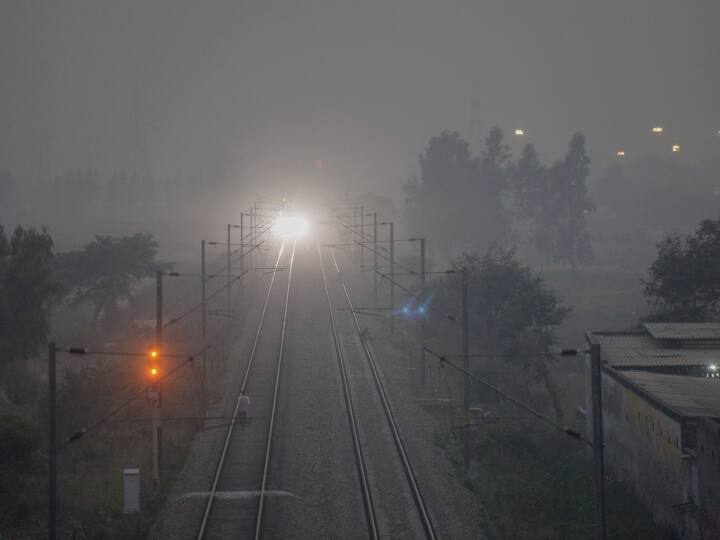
pixel 629 358
pixel 688 396
pixel 633 350
pixel 684 331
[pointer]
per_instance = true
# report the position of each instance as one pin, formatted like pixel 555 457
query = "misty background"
pixel 256 92
pixel 127 116
pixel 131 130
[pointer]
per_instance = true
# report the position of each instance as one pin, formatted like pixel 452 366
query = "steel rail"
pixel 228 436
pixel 352 419
pixel 407 466
pixel 268 446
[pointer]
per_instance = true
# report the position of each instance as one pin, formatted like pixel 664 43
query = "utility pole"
pixel 255 233
pixel 52 446
pixel 421 319
pixel 156 404
pixel 375 258
pixel 250 235
pixel 229 263
pixel 392 278
pixel 598 439
pixel 355 226
pixel 158 308
pixel 242 251
pixel 466 367
pixel 362 240
pixel 202 288
pixel 229 282
pixel 204 326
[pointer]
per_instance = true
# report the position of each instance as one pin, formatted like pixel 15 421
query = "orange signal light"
pixel 153 353
pixel 153 371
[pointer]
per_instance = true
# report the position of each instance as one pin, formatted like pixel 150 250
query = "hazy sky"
pixel 260 90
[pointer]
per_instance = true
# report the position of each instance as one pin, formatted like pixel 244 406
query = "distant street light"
pixel 621 153
pixel 657 129
pixel 519 132
pixel 675 147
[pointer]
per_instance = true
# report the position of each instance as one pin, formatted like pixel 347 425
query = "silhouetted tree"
pixel 457 197
pixel 684 284
pixel 108 270
pixel 495 167
pixel 528 184
pixel 570 204
pixel 555 201
pixel 21 464
pixel 438 200
pixel 26 292
pixel 533 198
pixel 511 310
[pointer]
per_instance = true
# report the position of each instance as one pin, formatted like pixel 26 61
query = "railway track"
pixel 236 501
pixel 412 485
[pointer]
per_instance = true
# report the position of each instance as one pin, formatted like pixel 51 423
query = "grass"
pixel 537 484
pixel 90 470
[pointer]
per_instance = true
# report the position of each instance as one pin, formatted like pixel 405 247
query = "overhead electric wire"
pixel 568 431
pixel 75 436
pixel 243 386
pixel 352 417
pixel 193 308
pixel 421 506
pixel 386 257
pixel 218 291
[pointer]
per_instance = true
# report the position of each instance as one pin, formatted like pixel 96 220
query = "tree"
pixel 457 196
pixel 490 212
pixel 21 462
pixel 27 289
pixel 684 285
pixel 570 204
pixel 526 184
pixel 439 201
pixel 108 270
pixel 555 201
pixel 511 310
pixel 530 188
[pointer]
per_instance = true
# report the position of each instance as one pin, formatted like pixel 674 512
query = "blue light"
pixel 405 310
pixel 421 310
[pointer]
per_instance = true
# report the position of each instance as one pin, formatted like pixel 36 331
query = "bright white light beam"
pixel 291 226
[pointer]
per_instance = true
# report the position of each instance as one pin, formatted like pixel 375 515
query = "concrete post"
pixel 598 440
pixel 466 366
pixel 52 445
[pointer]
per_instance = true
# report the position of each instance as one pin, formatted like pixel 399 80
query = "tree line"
pixel 104 274
pixel 470 203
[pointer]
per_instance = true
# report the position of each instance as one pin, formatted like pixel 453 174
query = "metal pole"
pixel 158 308
pixel 204 329
pixel 466 366
pixel 362 239
pixel 52 447
pixel 202 288
pixel 255 233
pixel 598 439
pixel 421 319
pixel 375 257
pixel 355 226
pixel 156 411
pixel 392 278
pixel 242 251
pixel 229 282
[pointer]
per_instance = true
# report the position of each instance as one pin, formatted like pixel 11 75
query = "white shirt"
pixel 244 404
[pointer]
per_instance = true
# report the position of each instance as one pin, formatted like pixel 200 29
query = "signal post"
pixel 154 386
